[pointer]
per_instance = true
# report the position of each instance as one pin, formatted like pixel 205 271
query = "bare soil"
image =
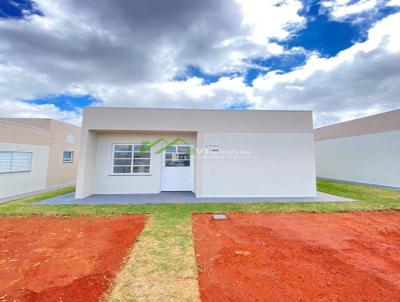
pixel 63 259
pixel 299 257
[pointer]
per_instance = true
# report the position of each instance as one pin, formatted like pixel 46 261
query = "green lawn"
pixel 164 253
pixel 368 198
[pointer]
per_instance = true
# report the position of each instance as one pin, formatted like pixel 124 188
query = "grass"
pixel 162 266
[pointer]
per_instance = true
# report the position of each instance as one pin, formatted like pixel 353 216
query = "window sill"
pixel 130 174
pixel 22 171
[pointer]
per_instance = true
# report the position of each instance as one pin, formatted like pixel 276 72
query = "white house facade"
pixel 365 150
pixel 213 153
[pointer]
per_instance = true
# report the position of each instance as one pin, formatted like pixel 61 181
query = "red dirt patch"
pixel 299 257
pixel 63 259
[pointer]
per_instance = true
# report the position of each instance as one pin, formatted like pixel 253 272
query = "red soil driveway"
pixel 299 257
pixel 63 259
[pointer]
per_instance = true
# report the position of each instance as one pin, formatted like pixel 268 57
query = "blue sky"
pixel 17 9
pixel 66 102
pixel 67 55
pixel 321 34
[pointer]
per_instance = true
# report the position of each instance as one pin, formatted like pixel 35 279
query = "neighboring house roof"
pixel 42 123
pixel 383 122
pixel 37 131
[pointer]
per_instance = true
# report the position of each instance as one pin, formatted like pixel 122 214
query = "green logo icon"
pixel 163 143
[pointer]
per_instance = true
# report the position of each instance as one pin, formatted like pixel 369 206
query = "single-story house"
pixel 36 154
pixel 365 150
pixel 213 153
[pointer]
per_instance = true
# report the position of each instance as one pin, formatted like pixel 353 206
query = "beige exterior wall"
pixel 288 134
pixel 51 134
pixel 60 173
pixel 11 132
pixel 41 123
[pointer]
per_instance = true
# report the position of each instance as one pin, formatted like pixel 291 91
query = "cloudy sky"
pixel 340 58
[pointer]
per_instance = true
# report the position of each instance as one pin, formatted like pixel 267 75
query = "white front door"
pixel 177 169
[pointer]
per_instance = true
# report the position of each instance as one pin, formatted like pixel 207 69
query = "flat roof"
pixel 197 109
pixel 33 122
pixel 202 120
pixel 382 122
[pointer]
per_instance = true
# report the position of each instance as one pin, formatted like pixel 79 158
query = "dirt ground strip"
pixel 63 259
pixel 299 257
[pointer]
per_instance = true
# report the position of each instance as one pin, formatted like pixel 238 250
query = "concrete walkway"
pixel 179 198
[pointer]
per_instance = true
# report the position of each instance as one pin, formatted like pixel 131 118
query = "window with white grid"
pixel 130 159
pixel 13 161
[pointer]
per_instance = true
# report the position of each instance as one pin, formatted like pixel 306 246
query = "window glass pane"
pixel 183 156
pixel 21 161
pixel 184 149
pixel 123 147
pixel 123 159
pixel 168 155
pixel 122 162
pixel 124 170
pixel 141 161
pixel 172 163
pixel 177 163
pixel 123 155
pixel 141 148
pixel 141 169
pixel 15 161
pixel 67 156
pixel 5 161
pixel 142 154
pixel 170 149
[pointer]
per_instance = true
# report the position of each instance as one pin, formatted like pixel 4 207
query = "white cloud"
pixel 271 19
pixel 24 110
pixel 393 3
pixel 125 53
pixel 362 79
pixel 192 93
pixel 118 49
pixel 345 8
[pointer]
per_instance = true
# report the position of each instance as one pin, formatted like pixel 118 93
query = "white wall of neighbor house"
pixel 14 183
pixel 107 183
pixel 259 165
pixel 372 158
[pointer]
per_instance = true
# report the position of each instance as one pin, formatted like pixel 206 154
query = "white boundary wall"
pixel 371 159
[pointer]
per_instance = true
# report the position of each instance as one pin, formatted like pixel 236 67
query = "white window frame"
pixel 11 162
pixel 68 161
pixel 132 161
